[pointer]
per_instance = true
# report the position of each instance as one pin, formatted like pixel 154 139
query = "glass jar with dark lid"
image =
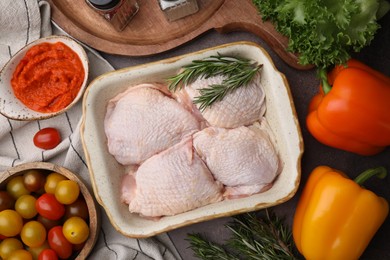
pixel 117 12
pixel 104 4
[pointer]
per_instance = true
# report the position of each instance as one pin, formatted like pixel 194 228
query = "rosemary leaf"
pixel 253 238
pixel 210 95
pixel 238 72
pixel 261 238
pixel 206 250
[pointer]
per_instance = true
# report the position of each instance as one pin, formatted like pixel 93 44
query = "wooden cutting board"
pixel 149 32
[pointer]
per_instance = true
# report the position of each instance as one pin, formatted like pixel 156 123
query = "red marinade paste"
pixel 48 78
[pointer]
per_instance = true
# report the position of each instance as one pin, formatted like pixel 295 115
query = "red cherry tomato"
pixel 58 242
pixel 48 254
pixel 48 206
pixel 47 138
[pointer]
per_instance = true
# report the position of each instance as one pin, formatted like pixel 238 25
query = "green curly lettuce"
pixel 324 32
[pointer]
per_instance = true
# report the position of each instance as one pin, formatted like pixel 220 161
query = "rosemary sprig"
pixel 204 249
pixel 262 238
pixel 265 237
pixel 238 72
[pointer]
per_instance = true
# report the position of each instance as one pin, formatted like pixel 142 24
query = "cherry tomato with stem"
pixel 59 243
pixel 48 206
pixel 47 138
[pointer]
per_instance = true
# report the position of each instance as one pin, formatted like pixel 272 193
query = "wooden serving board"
pixel 149 32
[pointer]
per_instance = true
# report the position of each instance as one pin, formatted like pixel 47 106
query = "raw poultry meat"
pixel 183 158
pixel 171 182
pixel 244 159
pixel 242 106
pixel 143 121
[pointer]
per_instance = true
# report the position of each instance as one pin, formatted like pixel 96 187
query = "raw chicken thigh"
pixel 242 106
pixel 143 121
pixel 180 158
pixel 244 159
pixel 172 182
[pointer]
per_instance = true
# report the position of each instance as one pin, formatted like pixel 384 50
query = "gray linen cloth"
pixel 21 22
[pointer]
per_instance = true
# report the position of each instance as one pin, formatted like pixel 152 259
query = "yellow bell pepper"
pixel 335 217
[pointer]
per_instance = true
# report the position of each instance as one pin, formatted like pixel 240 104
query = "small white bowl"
pixel 12 107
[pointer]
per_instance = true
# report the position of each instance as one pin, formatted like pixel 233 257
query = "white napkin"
pixel 23 21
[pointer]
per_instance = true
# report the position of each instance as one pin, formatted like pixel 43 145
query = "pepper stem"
pixel 380 172
pixel 324 78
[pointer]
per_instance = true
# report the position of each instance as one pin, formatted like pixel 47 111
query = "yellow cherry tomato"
pixel 25 206
pixel 16 188
pixel 8 245
pixel 52 180
pixel 11 223
pixel 75 230
pixel 33 234
pixel 20 254
pixel 67 192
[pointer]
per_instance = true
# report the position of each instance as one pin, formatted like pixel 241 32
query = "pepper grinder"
pixel 176 9
pixel 118 12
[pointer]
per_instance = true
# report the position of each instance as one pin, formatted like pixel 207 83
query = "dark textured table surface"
pixel 304 85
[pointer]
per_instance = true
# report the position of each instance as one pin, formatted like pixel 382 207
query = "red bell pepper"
pixel 354 114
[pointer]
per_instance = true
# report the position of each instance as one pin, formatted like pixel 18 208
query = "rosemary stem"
pixel 238 72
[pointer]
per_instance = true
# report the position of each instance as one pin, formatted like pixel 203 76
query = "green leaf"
pixel 324 32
